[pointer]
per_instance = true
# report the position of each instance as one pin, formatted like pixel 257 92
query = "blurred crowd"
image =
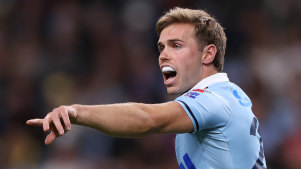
pixel 56 53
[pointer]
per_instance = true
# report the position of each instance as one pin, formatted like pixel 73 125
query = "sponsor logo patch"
pixel 192 94
pixel 195 92
pixel 199 90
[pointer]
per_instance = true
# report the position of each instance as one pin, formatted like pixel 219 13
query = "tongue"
pixel 168 69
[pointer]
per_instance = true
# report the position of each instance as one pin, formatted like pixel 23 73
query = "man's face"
pixel 180 58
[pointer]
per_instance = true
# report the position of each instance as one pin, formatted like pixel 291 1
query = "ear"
pixel 208 54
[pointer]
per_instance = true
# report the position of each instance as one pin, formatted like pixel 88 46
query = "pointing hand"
pixel 58 122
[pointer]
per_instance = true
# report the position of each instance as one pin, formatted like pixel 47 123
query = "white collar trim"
pixel 218 77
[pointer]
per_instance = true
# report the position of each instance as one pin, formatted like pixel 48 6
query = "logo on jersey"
pixel 187 162
pixel 244 101
pixel 199 90
pixel 194 93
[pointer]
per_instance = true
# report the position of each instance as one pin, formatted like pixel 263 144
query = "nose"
pixel 164 55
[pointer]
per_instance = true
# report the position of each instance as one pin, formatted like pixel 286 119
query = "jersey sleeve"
pixel 206 110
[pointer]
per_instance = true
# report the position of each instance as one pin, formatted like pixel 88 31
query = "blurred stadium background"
pixel 98 52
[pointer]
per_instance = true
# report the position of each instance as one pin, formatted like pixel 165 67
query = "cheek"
pixel 190 64
pixel 189 61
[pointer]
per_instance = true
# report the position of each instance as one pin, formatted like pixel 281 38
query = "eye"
pixel 160 48
pixel 177 46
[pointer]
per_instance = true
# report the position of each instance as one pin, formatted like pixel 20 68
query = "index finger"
pixel 35 122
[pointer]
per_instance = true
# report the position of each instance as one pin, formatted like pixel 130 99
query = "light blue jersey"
pixel 225 129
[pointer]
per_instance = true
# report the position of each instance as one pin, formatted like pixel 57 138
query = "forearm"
pixel 121 120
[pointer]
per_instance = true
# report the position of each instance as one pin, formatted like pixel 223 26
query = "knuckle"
pixel 56 112
pixel 49 116
pixel 64 108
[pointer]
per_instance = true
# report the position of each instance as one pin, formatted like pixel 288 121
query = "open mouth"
pixel 168 72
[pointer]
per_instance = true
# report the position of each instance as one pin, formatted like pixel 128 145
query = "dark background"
pixel 96 52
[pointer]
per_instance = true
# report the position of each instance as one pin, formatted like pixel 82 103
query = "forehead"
pixel 182 31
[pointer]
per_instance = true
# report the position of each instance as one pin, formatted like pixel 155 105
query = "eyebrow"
pixel 169 41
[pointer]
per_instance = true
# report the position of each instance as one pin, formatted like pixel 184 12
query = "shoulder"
pixel 213 95
pixel 209 106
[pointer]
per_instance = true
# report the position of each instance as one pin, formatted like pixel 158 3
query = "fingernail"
pixel 61 132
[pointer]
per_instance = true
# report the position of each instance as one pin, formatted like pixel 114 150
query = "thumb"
pixel 51 137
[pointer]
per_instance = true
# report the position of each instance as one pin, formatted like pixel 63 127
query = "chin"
pixel 174 91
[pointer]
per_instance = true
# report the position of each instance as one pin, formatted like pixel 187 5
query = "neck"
pixel 208 71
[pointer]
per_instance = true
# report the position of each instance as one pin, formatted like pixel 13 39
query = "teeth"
pixel 168 69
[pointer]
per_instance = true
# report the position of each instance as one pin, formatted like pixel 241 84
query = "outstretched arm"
pixel 120 120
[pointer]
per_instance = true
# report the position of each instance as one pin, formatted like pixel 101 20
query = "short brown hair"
pixel 207 30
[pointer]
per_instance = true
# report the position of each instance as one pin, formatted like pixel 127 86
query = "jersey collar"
pixel 218 77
